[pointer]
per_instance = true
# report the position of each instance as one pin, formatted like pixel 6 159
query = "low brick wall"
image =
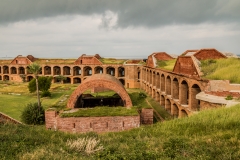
pixel 6 119
pixel 224 93
pixel 147 116
pixel 87 124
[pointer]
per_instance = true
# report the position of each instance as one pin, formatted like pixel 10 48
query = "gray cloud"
pixel 144 13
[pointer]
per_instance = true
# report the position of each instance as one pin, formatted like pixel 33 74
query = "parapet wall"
pixel 88 124
pixel 4 118
pixel 222 88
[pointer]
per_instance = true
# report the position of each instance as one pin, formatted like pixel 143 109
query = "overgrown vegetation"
pixel 221 69
pixel 32 114
pixel 167 64
pixel 210 134
pixel 44 84
pixel 112 60
pixel 101 111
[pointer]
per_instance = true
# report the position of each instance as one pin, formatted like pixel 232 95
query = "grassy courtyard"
pixel 15 96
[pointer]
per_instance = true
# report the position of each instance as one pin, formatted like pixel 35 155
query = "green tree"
pixel 44 84
pixel 35 69
pixel 61 78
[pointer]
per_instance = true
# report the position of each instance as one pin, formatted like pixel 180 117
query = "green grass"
pixel 210 134
pixel 102 111
pixel 112 61
pixel 221 69
pixel 159 109
pixel 168 64
pixel 13 104
pixel 13 101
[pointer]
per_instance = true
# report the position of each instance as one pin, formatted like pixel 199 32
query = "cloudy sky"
pixel 117 28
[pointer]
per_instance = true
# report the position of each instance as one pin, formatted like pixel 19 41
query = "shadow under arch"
pixel 103 81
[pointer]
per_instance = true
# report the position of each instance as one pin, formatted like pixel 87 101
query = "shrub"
pixel 46 94
pixel 32 114
pixel 229 97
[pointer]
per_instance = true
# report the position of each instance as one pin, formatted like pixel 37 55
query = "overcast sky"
pixel 117 28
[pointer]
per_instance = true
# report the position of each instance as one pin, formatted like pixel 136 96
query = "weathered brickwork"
pixel 185 65
pixel 87 124
pixel 6 119
pixel 103 81
pixel 146 116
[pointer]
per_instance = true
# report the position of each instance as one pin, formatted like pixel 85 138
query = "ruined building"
pixel 180 91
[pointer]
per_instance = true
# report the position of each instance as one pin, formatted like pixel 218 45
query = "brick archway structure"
pixel 103 81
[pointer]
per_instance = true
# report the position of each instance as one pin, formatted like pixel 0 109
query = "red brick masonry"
pixel 87 124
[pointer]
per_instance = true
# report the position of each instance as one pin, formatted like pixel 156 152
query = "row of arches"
pixel 66 70
pixel 74 80
pixel 176 93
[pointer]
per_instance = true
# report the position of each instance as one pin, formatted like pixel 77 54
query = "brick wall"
pixel 185 65
pixel 4 118
pixel 224 93
pixel 147 116
pixel 208 54
pixel 87 124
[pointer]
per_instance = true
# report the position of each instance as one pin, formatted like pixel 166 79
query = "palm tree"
pixel 35 69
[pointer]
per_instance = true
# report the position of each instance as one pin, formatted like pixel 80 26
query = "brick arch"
pixel 100 80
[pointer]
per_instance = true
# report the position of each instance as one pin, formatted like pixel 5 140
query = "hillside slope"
pixel 212 134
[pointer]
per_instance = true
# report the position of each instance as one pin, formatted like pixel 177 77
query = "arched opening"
pixel 150 77
pixel 153 94
pixel 13 70
pixel 21 70
pixel 66 70
pixel 67 80
pixel 121 72
pixel 6 78
pixel 103 81
pixel 98 70
pixel 175 110
pixel 76 80
pixel 0 78
pixel 5 70
pixel 195 103
pixel 158 81
pixel 56 80
pixel 87 71
pixel 77 71
pixel 184 93
pixel 56 70
pixel 162 100
pixel 122 81
pixel 150 91
pixel 157 98
pixel 147 76
pixel 47 70
pixel 139 74
pixel 162 83
pixel 29 78
pixel 175 89
pixel 154 79
pixel 111 71
pixel 183 113
pixel 168 106
pixel 168 85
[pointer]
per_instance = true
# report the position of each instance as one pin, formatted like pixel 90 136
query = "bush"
pixel 46 94
pixel 229 97
pixel 32 114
